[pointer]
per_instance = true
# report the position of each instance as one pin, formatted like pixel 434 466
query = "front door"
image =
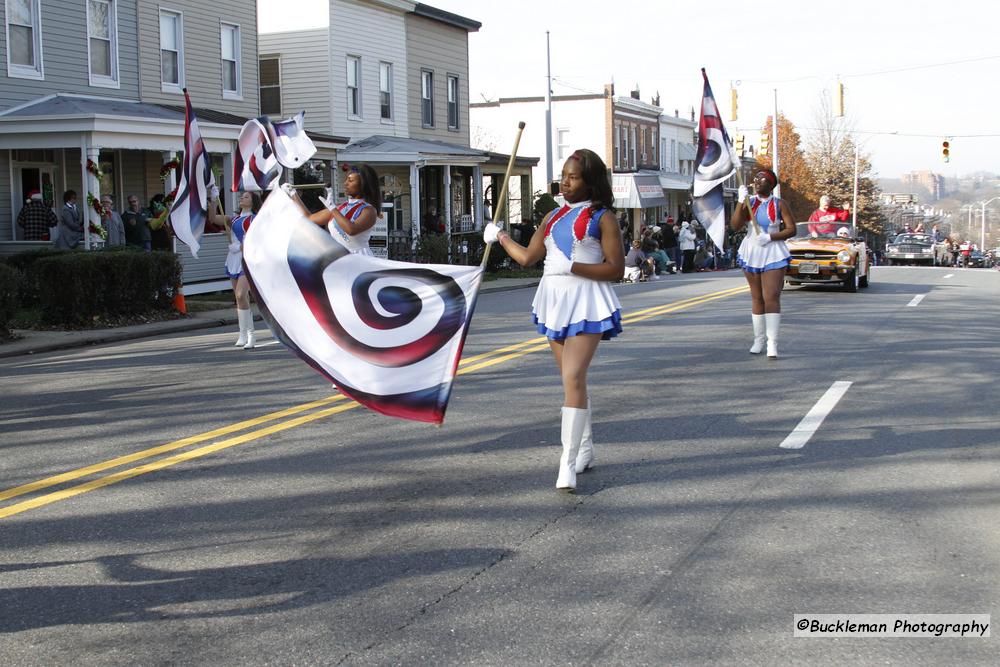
pixel 29 178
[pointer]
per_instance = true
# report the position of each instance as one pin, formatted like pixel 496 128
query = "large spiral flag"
pixel 190 208
pixel 713 165
pixel 388 334
pixel 265 147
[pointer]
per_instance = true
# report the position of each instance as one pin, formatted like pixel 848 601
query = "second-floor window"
pixel 102 33
pixel 452 102
pixel 232 86
pixel 562 143
pixel 385 90
pixel 353 87
pixel 24 39
pixel 270 86
pixel 427 98
pixel 171 51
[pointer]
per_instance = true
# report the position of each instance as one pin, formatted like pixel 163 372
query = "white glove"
pixel 762 239
pixel 491 233
pixel 288 189
pixel 328 199
pixel 215 192
pixel 742 193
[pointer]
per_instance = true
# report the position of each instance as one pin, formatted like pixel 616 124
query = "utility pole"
pixel 774 140
pixel 548 115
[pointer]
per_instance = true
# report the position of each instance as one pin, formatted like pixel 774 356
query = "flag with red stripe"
pixel 713 166
pixel 190 208
pixel 388 334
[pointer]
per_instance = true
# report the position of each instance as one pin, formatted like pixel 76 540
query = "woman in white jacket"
pixel 686 240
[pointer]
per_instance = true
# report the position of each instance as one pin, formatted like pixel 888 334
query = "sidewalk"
pixel 33 342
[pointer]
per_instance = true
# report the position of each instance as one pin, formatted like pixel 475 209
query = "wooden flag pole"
pixel 502 200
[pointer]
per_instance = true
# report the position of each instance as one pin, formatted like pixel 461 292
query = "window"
pixel 232 79
pixel 452 102
pixel 427 98
pixel 673 155
pixel 562 142
pixel 24 39
pixel 103 43
pixel 171 51
pixel 624 131
pixel 353 87
pixel 635 148
pixel 270 86
pixel 385 90
pixel 618 148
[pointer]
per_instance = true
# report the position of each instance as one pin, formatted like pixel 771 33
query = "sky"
pixel 915 73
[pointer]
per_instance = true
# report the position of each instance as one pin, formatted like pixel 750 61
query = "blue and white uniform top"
pixel 567 304
pixel 754 258
pixel 234 258
pixel 352 210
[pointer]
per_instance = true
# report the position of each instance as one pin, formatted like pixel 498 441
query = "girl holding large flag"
pixel 763 255
pixel 249 205
pixel 351 222
pixel 575 306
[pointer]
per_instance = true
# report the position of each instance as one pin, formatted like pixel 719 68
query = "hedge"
pixel 82 286
pixel 10 302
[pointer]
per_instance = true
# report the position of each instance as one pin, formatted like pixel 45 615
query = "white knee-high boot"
pixel 573 421
pixel 773 322
pixel 585 458
pixel 251 334
pixel 759 335
pixel 241 317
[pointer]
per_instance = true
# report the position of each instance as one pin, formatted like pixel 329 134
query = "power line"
pixel 859 75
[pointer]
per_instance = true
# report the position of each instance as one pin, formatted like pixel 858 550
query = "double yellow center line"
pixel 337 403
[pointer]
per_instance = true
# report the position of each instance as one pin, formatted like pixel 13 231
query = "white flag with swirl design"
pixel 388 334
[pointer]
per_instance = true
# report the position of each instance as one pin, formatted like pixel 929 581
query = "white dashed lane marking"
pixel 798 438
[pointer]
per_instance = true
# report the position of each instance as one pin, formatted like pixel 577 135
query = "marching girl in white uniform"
pixel 249 203
pixel 351 222
pixel 763 256
pixel 575 306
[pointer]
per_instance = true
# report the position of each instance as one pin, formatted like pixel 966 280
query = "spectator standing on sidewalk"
pixel 686 240
pixel 112 222
pixel 70 223
pixel 36 219
pixel 136 225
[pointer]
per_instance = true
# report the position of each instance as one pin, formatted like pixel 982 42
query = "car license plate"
pixel 809 267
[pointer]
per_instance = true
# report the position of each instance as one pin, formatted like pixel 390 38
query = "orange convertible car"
pixel 831 256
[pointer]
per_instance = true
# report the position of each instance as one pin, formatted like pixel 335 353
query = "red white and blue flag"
pixel 713 166
pixel 190 208
pixel 388 334
pixel 255 166
pixel 265 147
pixel 292 147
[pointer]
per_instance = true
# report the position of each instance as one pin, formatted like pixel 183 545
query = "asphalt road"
pixel 155 510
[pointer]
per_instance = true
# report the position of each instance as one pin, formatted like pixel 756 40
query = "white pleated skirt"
pixel 567 305
pixel 756 259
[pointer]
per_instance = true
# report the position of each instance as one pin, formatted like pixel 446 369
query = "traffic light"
pixel 732 104
pixel 765 143
pixel 840 100
pixel 945 153
pixel 740 143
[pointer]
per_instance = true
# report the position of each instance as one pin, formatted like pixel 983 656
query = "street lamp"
pixel 982 237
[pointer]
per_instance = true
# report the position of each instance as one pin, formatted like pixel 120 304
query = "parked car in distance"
pixel 916 249
pixel 834 256
pixel 977 260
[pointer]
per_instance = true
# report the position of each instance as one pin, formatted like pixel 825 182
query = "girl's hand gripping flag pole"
pixel 502 199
